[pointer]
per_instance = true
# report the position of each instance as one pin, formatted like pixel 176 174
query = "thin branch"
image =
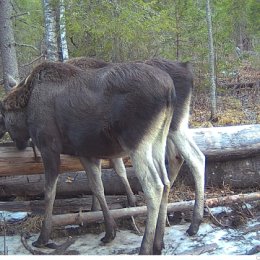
pixel 25 45
pixel 135 226
pixel 31 62
pixel 18 15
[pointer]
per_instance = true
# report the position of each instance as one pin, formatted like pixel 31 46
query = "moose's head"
pixel 13 121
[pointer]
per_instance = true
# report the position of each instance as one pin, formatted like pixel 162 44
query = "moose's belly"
pixel 98 145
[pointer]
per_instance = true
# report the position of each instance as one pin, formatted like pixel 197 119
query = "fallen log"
pixel 229 142
pixel 238 173
pixel 217 143
pixel 232 158
pixel 90 217
pixel 62 206
pixel 13 162
pixel 240 85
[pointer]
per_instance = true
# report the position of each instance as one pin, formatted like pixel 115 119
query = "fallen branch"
pixel 60 250
pixel 90 217
pixel 214 219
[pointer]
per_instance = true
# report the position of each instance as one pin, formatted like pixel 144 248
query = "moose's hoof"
pixel 109 237
pixel 193 230
pixel 158 247
pixel 38 244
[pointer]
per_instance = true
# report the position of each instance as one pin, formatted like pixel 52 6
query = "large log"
pixel 232 158
pixel 230 142
pixel 238 173
pixel 13 162
pixel 69 184
pixel 62 206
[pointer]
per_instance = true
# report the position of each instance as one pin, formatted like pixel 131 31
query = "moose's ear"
pixel 11 82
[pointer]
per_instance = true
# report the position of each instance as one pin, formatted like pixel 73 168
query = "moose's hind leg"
pixel 119 167
pixel 196 162
pixel 153 188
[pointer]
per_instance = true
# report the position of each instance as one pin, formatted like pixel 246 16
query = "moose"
pixel 180 146
pixel 117 110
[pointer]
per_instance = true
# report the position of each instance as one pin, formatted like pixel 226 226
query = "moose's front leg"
pixel 93 170
pixel 51 161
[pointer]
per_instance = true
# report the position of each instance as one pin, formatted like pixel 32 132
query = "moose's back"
pixel 99 112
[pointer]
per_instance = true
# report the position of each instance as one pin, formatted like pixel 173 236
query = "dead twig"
pixel 60 250
pixel 31 62
pixel 26 45
pixel 248 210
pixel 215 220
pixel 135 226
pixel 18 15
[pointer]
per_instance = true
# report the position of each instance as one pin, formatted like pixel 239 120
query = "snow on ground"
pixel 177 242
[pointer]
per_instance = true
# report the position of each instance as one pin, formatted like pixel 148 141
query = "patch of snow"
pixel 228 241
pixel 12 216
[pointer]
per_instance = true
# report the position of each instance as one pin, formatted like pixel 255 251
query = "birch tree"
pixel 7 45
pixel 50 30
pixel 63 46
pixel 211 64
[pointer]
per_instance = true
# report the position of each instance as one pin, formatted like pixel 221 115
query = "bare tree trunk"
pixel 63 46
pixel 211 64
pixel 7 45
pixel 50 30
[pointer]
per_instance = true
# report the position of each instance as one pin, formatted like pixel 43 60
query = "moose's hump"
pixel 46 72
pixel 54 72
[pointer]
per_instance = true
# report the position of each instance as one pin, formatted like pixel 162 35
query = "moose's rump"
pixel 102 113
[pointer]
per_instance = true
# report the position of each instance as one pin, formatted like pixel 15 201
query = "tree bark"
pixel 7 45
pixel 63 39
pixel 211 63
pixel 50 30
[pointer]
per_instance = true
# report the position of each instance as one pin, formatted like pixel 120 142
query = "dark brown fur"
pixel 87 63
pixel 50 72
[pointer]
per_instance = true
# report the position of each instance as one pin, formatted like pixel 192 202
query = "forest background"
pixel 127 30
